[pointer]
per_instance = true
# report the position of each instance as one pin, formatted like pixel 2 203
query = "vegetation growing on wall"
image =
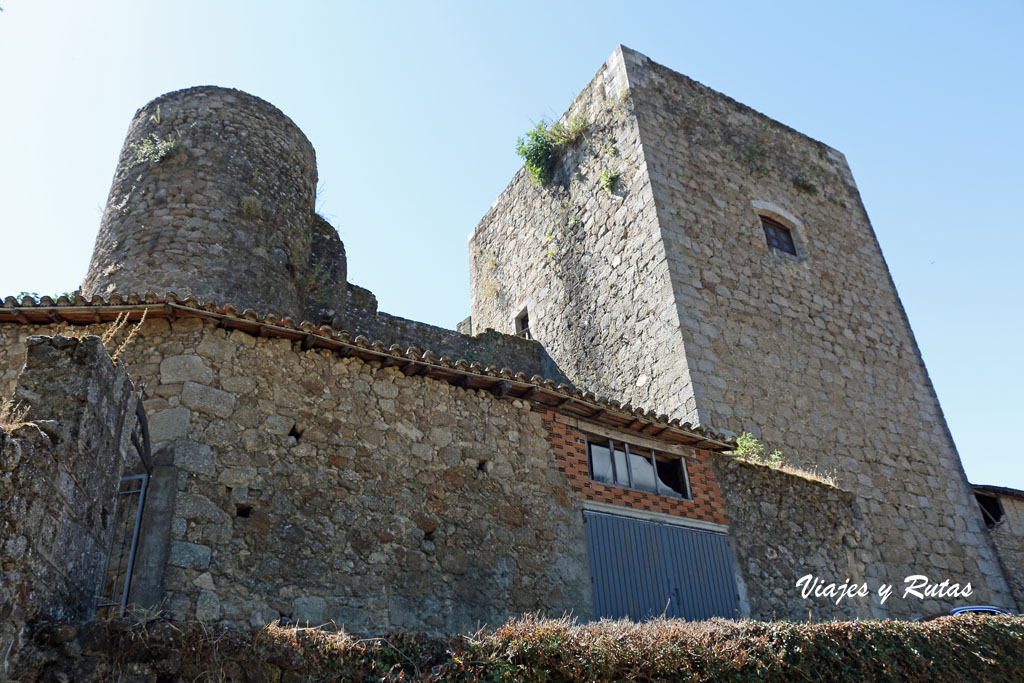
pixel 541 147
pixel 804 184
pixel 151 150
pixel 609 180
pixel 252 207
pixel 12 415
pixel 751 450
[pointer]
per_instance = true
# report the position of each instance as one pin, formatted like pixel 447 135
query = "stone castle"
pixel 693 270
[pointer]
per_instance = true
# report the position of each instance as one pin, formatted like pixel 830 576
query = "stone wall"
pixel 321 488
pixel 59 478
pixel 585 263
pixel 213 197
pixel 486 347
pixel 783 527
pixel 1008 539
pixel 1013 513
pixel 1011 556
pixel 813 352
pixel 227 215
pixel 667 295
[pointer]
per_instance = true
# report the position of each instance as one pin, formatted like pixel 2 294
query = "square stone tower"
pixel 692 256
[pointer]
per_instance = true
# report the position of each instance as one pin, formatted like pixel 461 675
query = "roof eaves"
pixel 502 382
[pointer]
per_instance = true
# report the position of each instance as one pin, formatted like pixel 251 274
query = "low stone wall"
pixel 59 478
pixel 782 527
pixel 1010 548
pixel 487 348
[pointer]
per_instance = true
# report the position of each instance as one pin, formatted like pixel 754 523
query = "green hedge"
pixel 974 648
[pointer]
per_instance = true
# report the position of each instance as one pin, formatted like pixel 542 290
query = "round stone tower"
pixel 213 197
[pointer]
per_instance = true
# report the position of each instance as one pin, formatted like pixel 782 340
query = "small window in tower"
pixel 778 236
pixel 523 325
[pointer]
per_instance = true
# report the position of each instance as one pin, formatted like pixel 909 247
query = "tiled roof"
pixel 502 382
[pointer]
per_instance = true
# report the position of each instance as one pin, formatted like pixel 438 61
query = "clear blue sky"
pixel 414 109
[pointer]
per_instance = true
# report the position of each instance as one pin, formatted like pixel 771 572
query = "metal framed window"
pixel 616 464
pixel 778 236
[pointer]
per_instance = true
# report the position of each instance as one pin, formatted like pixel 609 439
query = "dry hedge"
pixel 979 648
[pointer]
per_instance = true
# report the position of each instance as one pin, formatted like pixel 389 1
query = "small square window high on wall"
pixel 778 236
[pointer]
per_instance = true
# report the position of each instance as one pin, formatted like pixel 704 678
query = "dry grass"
pixel 134 330
pixel 535 649
pixel 12 415
pixel 568 133
pixel 107 335
pixel 824 477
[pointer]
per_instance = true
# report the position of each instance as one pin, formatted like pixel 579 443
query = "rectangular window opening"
pixel 523 325
pixel 617 464
pixel 778 236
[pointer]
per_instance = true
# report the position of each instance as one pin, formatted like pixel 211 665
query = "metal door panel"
pixel 642 569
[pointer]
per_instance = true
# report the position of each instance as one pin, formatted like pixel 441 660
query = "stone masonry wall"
pixel 1013 513
pixel 586 263
pixel 487 347
pixel 321 488
pixel 784 527
pixel 1011 556
pixel 58 483
pixel 570 446
pixel 225 215
pixel 811 352
pixel 1008 539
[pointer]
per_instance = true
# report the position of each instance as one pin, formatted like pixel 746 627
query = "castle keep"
pixel 693 270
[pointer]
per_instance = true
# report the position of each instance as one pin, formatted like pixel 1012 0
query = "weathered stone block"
pixel 190 555
pixel 207 399
pixel 309 610
pixel 193 457
pixel 184 369
pixel 169 424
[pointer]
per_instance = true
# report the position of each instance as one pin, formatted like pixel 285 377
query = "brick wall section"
pixel 570 448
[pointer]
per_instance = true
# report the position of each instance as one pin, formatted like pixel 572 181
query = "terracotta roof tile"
pixel 537 389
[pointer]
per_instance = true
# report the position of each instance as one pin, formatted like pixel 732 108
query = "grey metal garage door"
pixel 642 569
